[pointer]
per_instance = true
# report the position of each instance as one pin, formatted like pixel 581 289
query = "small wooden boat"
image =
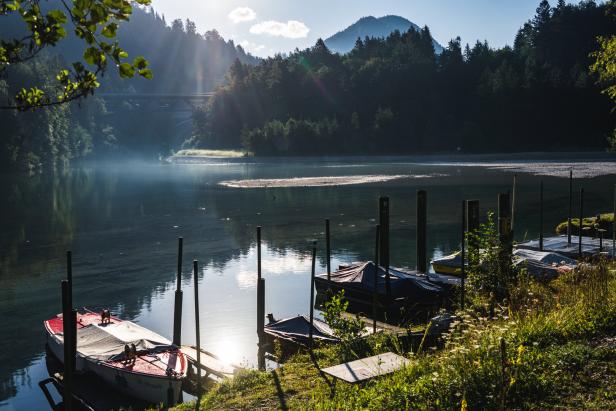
pixel 294 332
pixel 448 264
pixel 541 264
pixel 408 290
pixel 146 373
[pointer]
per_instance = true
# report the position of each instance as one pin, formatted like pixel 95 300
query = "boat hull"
pixel 150 388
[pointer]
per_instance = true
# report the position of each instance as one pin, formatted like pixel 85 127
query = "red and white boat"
pixel 158 364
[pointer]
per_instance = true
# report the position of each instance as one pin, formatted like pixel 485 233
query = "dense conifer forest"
pixel 395 95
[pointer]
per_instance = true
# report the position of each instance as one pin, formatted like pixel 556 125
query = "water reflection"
pixel 122 222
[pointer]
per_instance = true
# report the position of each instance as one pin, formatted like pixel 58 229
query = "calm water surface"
pixel 122 222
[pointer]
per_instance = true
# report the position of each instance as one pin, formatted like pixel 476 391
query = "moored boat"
pixel 541 264
pixel 125 355
pixel 408 290
pixel 296 330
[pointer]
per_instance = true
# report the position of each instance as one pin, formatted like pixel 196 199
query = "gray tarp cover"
pixel 538 263
pixel 104 342
pixel 402 284
pixel 296 329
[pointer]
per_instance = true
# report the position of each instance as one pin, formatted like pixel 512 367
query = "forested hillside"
pixel 183 61
pixel 395 95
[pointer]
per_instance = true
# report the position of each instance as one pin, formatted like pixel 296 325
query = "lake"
pixel 122 221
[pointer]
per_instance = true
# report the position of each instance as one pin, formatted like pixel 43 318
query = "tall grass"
pixel 530 355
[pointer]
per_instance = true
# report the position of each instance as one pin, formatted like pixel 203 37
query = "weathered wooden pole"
pixel 541 215
pixel 197 325
pixel 375 285
pixel 69 279
pixel 258 252
pixel 570 207
pixel 504 220
pixel 177 308
pixel 260 293
pixel 580 225
pixel 312 272
pixel 614 225
pixel 261 322
pixel 513 192
pixel 504 233
pixel 472 218
pixel 384 242
pixel 67 335
pixel 422 223
pixel 463 255
pixel 328 250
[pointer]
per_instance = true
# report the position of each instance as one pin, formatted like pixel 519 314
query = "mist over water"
pixel 122 220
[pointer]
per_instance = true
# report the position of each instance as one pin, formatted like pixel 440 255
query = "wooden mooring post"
pixel 541 216
pixel 580 225
pixel 312 273
pixel 69 278
pixel 375 284
pixel 570 207
pixel 328 250
pixel 68 330
pixel 260 306
pixel 177 308
pixel 504 232
pixel 384 242
pixel 197 323
pixel 462 256
pixel 513 192
pixel 422 223
pixel 472 218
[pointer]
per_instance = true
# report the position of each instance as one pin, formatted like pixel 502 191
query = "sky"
pixel 266 27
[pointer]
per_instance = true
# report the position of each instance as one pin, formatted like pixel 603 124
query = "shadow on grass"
pixel 279 391
pixel 330 384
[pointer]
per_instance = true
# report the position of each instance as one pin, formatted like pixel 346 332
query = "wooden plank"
pixel 210 363
pixel 367 368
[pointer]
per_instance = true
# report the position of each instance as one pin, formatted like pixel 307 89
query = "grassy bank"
pixel 549 346
pixel 590 223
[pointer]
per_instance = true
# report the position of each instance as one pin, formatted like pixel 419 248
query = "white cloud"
pixel 252 48
pixel 240 14
pixel 292 29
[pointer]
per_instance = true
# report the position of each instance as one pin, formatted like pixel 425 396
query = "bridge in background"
pixel 173 102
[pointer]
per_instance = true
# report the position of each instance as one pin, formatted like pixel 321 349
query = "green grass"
pixel 211 153
pixel 606 218
pixel 552 346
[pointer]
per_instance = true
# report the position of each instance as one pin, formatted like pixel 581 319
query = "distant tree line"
pixel 181 59
pixel 395 95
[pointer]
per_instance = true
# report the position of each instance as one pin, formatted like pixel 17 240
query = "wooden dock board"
pixel 210 362
pixel 558 244
pixel 367 368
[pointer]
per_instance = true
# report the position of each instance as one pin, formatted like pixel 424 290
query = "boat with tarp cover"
pixel 540 264
pixel 296 331
pixel 129 357
pixel 408 289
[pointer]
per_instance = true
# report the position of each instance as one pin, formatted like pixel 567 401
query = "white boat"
pixel 157 365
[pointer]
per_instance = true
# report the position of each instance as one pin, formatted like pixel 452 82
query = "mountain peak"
pixel 370 26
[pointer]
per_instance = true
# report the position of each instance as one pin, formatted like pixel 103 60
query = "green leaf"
pixel 57 16
pixel 91 55
pixel 146 73
pixel 140 62
pixel 126 70
pixel 110 30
